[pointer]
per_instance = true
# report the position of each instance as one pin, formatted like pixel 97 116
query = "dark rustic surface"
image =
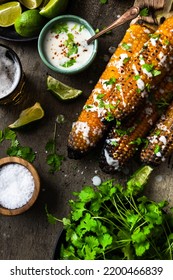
pixel 29 235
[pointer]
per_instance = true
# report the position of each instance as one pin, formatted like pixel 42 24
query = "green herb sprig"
pixel 15 148
pixel 53 159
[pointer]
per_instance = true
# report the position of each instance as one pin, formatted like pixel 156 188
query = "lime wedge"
pixel 62 91
pixel 31 4
pixel 54 8
pixel 28 115
pixel 9 12
pixel 139 179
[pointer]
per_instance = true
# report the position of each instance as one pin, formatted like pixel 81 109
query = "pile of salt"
pixel 16 185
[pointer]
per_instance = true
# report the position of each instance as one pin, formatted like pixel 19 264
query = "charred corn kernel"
pixel 160 141
pixel 123 141
pixel 89 128
pixel 144 70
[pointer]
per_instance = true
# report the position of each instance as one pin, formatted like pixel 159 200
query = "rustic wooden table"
pixel 29 235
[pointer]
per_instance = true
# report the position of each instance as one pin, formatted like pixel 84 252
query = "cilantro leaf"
pixel 69 63
pixel 144 12
pixel 54 161
pixel 60 28
pixel 103 1
pixel 111 81
pixel 126 46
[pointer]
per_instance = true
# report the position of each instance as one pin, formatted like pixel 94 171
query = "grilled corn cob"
pixel 123 141
pixel 143 71
pixel 160 141
pixel 89 128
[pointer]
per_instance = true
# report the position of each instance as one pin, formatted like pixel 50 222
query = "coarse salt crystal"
pixel 16 185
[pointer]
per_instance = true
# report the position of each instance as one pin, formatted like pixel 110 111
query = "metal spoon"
pixel 128 15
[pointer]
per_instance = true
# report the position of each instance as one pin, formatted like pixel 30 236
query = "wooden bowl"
pixel 30 167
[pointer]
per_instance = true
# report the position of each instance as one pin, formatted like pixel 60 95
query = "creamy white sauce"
pixel 110 160
pixel 57 48
pixel 163 139
pixel 10 73
pixel 140 84
pixel 84 129
pixel 120 63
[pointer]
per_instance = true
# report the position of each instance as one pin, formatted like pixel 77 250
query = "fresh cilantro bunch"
pixel 15 148
pixel 113 222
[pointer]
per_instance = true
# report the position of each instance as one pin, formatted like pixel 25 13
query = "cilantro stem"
pixel 54 136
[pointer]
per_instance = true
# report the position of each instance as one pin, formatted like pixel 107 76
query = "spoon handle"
pixel 128 15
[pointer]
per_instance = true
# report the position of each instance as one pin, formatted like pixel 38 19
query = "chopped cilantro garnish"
pixel 81 27
pixel 144 12
pixel 138 90
pixel 100 95
pixel 60 28
pixel 154 36
pixel 157 149
pixel 71 45
pixel 87 107
pixel 109 117
pixel 111 81
pixel 157 132
pixel 126 46
pixel 136 77
pixel 114 143
pixel 118 87
pixel 126 60
pixel 150 68
pixel 138 141
pixel 69 63
pixel 167 42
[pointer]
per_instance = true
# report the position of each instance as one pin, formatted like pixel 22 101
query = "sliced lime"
pixel 61 90
pixel 9 12
pixel 28 115
pixel 31 4
pixel 54 8
pixel 138 180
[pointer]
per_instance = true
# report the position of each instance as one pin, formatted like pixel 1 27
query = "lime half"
pixel 31 4
pixel 62 91
pixel 9 12
pixel 54 8
pixel 28 115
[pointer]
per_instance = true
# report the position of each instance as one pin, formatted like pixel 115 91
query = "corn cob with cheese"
pixel 160 140
pixel 89 128
pixel 143 71
pixel 124 140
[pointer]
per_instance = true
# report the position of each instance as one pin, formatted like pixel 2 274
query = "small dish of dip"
pixel 62 44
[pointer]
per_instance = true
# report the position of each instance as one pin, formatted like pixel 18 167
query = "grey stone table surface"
pixel 29 235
